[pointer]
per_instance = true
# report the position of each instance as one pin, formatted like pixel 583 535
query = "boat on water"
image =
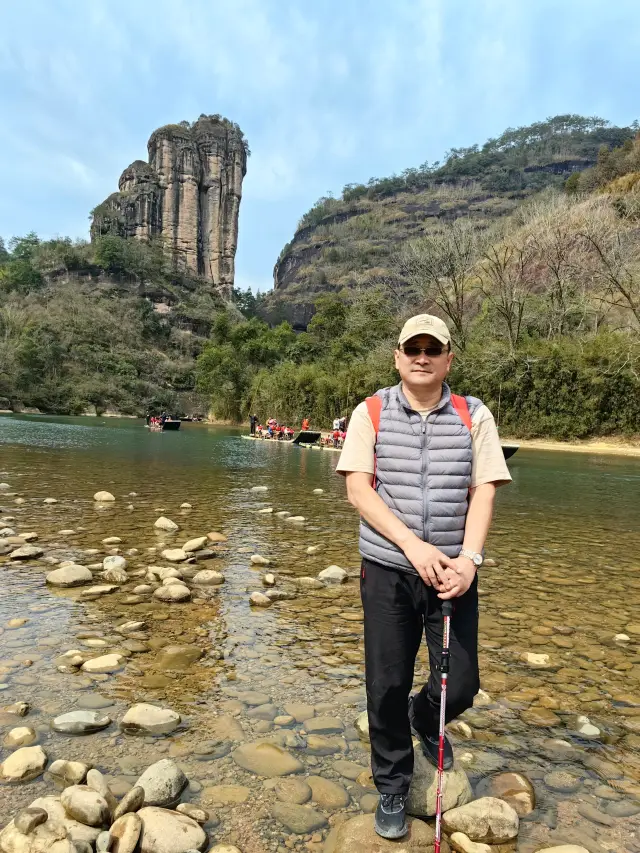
pixel 311 440
pixel 168 425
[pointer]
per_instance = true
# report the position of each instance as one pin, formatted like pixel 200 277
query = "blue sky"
pixel 327 92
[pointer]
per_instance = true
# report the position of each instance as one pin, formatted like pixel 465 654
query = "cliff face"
pixel 188 194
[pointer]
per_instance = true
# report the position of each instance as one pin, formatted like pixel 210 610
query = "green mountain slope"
pixel 353 241
pixel 106 326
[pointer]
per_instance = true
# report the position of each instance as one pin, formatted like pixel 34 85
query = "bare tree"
pixel 614 245
pixel 507 284
pixel 441 266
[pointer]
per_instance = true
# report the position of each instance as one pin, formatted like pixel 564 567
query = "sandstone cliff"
pixel 188 194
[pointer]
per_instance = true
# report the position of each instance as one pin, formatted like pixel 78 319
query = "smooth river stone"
pixel 149 719
pixel 178 657
pixel 24 764
pixel 20 736
pixel 298 819
pixel 328 794
pixel 489 820
pixel 80 722
pixel 69 576
pixel 359 836
pixel 513 788
pixel 162 783
pixel 169 832
pixel 324 725
pixel 266 759
pixel 292 791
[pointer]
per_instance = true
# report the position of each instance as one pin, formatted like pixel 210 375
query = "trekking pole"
pixel 447 610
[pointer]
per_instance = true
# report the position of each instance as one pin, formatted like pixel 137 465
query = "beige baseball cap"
pixel 425 324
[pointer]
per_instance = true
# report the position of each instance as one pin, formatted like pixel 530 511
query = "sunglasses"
pixel 412 351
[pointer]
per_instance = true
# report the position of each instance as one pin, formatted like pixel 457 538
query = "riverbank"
pixel 614 446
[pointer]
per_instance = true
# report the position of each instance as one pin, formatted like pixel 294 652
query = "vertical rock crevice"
pixel 188 194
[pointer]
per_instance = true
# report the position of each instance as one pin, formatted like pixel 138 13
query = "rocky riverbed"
pixel 219 669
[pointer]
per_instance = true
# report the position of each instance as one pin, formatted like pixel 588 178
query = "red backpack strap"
pixel 462 408
pixel 374 407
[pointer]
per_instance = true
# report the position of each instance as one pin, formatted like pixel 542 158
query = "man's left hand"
pixel 458 579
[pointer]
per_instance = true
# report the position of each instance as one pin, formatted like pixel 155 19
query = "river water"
pixel 566 541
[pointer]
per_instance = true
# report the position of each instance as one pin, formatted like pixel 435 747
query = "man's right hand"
pixel 430 563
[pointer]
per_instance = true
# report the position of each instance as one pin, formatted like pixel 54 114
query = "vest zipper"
pixel 425 499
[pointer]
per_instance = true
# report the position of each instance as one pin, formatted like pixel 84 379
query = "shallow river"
pixel 566 585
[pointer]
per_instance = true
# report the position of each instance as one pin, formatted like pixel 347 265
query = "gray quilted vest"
pixel 423 473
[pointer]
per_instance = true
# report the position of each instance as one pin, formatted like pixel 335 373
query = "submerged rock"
pixel 298 819
pixel 103 497
pixel 513 788
pixel 266 759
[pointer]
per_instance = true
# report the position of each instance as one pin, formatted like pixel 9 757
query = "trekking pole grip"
pixel 447 608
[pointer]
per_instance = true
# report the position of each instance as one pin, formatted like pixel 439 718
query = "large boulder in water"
pixel 422 793
pixel 358 836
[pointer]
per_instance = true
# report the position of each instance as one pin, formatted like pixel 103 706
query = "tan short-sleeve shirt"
pixel 488 465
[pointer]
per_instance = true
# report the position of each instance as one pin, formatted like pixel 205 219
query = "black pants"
pixel 398 608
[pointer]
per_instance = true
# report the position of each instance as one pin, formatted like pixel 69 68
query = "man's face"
pixel 422 371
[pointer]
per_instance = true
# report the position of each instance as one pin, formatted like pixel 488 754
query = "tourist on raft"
pixel 421 467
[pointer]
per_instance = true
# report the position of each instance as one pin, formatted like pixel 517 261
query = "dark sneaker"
pixel 390 816
pixel 431 745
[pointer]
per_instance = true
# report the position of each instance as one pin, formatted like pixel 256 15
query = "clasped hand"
pixel 449 577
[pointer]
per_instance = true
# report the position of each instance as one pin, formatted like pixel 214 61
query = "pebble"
pixel 103 497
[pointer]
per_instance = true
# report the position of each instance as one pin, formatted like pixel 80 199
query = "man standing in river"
pixel 421 467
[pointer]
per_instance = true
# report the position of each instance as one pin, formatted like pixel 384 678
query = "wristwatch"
pixel 477 559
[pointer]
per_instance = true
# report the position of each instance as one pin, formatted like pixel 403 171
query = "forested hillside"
pixel 107 326
pixel 539 281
